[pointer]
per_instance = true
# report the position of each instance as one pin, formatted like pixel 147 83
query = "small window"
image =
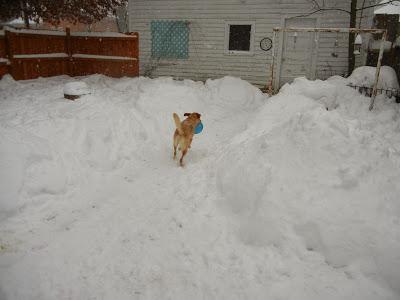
pixel 170 39
pixel 239 37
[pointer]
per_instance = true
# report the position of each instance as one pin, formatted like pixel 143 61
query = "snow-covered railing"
pixel 368 91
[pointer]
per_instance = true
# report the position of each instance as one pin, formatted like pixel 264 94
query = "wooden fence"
pixel 27 54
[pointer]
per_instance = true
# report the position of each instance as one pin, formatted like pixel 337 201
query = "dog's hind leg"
pixel 183 154
pixel 175 145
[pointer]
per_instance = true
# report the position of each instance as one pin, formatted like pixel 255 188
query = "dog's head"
pixel 193 115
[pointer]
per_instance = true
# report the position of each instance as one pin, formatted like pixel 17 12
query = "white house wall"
pixel 207 58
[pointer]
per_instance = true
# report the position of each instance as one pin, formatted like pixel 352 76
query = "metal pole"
pixel 270 89
pixel 378 70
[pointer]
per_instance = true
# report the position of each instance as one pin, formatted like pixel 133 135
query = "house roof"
pixel 392 8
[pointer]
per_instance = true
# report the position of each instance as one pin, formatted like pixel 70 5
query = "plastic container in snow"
pixel 76 89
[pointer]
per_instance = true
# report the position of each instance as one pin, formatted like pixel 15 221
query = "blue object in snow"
pixel 199 128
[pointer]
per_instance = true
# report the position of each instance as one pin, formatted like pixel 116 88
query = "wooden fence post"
pixel 69 50
pixel 9 52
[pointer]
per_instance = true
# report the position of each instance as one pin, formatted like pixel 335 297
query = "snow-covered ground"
pixel 296 196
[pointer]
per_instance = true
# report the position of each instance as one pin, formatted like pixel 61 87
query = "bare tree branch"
pixel 319 10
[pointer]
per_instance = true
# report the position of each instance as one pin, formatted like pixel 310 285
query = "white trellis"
pixel 279 30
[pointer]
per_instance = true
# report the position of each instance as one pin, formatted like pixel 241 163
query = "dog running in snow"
pixel 184 132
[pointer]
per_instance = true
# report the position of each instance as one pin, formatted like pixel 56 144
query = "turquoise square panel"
pixel 170 39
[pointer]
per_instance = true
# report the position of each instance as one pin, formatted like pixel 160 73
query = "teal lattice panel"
pixel 170 39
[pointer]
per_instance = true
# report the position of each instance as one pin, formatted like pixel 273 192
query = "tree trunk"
pixel 353 20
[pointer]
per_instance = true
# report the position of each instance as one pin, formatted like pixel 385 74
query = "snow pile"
pixel 289 197
pixel 76 88
pixel 235 92
pixel 365 76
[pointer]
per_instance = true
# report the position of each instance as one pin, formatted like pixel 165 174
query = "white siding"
pixel 207 33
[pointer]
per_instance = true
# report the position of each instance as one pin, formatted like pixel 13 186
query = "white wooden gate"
pixel 298 55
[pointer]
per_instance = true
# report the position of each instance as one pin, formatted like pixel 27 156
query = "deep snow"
pixel 290 197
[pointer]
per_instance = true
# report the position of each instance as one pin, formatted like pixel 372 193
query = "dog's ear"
pixel 187 114
pixel 198 115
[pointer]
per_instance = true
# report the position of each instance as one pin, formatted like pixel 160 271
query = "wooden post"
pixel 9 50
pixel 135 54
pixel 378 70
pixel 69 50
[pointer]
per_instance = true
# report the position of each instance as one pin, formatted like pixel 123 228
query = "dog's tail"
pixel 178 123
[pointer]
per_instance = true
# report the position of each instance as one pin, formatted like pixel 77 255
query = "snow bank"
pixel 303 171
pixel 365 76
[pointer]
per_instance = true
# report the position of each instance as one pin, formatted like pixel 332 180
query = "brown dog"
pixel 184 132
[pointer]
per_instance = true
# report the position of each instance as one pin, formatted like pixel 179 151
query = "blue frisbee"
pixel 199 128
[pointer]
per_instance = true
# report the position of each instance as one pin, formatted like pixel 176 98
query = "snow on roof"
pixel 78 55
pixel 102 34
pixel 34 31
pixel 392 8
pixel 41 55
pixel 19 21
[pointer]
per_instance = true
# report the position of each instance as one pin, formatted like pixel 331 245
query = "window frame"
pixel 227 32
